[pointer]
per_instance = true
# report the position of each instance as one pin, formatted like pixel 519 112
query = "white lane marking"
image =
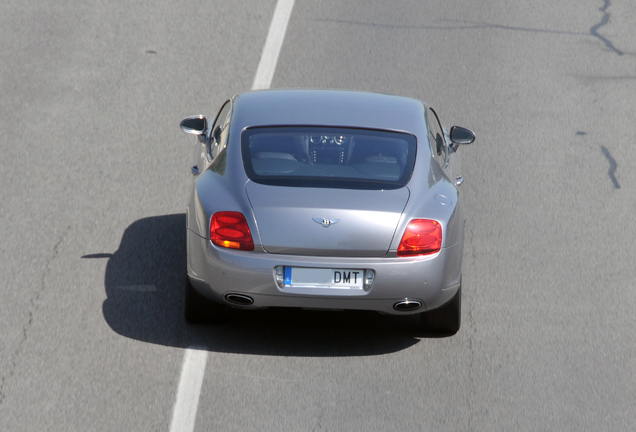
pixel 273 44
pixel 184 413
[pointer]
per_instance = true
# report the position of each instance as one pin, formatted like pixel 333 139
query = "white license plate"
pixel 324 278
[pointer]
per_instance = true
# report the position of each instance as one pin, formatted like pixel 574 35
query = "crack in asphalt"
pixel 613 166
pixel 33 305
pixel 594 30
pixel 455 25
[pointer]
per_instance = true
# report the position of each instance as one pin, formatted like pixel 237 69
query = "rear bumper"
pixel 216 272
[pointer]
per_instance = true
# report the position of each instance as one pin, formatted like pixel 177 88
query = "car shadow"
pixel 144 284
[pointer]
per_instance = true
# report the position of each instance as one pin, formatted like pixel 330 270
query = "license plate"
pixel 324 278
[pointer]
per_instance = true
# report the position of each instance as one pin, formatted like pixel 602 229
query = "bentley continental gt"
pixel 325 199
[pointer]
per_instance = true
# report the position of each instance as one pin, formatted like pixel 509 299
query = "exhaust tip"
pixel 239 299
pixel 407 305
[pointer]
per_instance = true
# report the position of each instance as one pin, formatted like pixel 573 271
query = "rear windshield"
pixel 311 156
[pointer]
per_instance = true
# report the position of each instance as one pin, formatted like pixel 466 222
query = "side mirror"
pixel 460 135
pixel 195 125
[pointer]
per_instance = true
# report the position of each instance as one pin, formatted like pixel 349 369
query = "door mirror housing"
pixel 460 136
pixel 195 125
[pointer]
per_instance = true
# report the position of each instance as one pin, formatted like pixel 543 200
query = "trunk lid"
pixel 360 223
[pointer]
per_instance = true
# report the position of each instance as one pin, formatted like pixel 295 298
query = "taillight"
pixel 230 230
pixel 422 237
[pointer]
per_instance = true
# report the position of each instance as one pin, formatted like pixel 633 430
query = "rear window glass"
pixel 328 157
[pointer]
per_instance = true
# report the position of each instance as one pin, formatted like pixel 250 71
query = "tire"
pixel 199 309
pixel 445 319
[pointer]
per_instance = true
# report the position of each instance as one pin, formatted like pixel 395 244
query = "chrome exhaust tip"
pixel 407 305
pixel 239 299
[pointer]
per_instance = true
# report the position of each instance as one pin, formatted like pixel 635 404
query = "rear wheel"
pixel 199 309
pixel 445 319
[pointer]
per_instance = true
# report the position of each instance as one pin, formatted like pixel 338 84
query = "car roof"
pixel 327 108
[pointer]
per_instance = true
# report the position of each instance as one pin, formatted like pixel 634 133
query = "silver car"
pixel 326 200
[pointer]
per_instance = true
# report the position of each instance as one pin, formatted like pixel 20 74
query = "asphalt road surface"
pixel 94 175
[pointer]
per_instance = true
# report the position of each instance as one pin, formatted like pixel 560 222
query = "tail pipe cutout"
pixel 407 305
pixel 239 299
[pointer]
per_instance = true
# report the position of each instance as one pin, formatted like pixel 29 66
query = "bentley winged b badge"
pixel 326 222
